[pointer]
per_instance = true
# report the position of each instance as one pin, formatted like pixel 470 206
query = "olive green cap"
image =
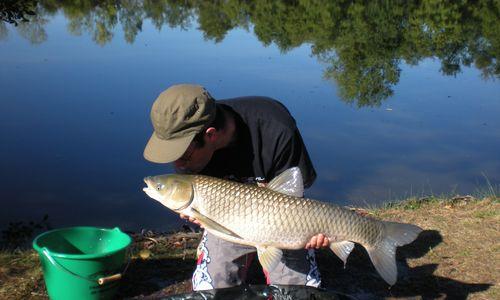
pixel 178 114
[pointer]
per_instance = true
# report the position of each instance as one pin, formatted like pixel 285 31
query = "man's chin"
pixel 184 171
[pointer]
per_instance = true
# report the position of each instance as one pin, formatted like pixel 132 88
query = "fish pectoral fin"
pixel 269 257
pixel 342 249
pixel 211 224
pixel 289 182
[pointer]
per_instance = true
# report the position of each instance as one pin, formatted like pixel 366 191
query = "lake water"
pixel 391 102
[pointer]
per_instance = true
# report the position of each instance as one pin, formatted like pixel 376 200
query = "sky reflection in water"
pixel 75 118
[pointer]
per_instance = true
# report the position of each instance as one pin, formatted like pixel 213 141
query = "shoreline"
pixel 456 256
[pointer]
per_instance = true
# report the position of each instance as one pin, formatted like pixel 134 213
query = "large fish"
pixel 276 217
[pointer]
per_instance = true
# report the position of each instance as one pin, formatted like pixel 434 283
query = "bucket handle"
pixel 104 280
pixel 100 281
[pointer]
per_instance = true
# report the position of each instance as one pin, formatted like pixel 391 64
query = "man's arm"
pixel 293 153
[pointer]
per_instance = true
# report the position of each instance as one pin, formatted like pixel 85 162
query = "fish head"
pixel 172 190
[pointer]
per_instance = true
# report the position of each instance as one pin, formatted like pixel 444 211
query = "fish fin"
pixel 289 182
pixel 211 224
pixel 269 257
pixel 383 254
pixel 342 249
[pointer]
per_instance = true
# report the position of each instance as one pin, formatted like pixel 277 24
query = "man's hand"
pixel 318 241
pixel 191 219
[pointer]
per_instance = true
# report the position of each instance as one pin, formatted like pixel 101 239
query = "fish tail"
pixel 383 254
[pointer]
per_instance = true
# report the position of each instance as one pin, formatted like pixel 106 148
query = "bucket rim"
pixel 40 250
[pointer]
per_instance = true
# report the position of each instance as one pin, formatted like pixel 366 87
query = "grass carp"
pixel 276 217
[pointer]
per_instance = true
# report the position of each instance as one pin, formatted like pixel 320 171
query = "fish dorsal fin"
pixel 289 182
pixel 342 249
pixel 269 257
pixel 211 224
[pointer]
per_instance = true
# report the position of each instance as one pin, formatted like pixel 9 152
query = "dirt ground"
pixel 457 256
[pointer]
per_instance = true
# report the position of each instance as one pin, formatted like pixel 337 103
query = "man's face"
pixel 194 159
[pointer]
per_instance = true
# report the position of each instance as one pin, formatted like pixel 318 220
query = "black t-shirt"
pixel 267 143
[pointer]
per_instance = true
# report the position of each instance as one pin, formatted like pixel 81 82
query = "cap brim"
pixel 164 151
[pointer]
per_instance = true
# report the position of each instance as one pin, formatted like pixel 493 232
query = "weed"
pixel 18 234
pixel 483 214
pixel 412 203
pixel 491 191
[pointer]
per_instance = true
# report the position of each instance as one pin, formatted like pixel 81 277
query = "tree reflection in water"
pixel 363 43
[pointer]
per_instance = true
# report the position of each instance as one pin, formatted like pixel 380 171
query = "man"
pixel 247 139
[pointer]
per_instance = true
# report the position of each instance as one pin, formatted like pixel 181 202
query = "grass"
pixel 486 214
pixel 484 191
pixel 20 275
pixel 466 247
pixel 457 256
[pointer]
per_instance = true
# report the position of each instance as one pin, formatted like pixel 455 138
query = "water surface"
pixel 391 101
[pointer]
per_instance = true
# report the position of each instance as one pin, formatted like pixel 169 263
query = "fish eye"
pixel 159 186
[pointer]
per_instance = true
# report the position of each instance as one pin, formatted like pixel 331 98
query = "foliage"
pixel 14 12
pixel 362 42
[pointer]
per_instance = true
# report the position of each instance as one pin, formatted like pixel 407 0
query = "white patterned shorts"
pixel 222 264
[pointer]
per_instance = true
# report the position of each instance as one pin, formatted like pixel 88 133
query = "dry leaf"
pixel 144 254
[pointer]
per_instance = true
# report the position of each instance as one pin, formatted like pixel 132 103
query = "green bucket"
pixel 83 262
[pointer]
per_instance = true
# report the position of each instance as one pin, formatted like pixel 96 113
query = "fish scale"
pixel 277 217
pixel 264 208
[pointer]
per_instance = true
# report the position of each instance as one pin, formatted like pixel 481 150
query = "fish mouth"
pixel 150 190
pixel 148 185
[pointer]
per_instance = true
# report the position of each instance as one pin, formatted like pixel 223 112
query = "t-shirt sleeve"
pixel 293 153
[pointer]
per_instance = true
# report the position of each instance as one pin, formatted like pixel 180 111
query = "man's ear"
pixel 211 134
